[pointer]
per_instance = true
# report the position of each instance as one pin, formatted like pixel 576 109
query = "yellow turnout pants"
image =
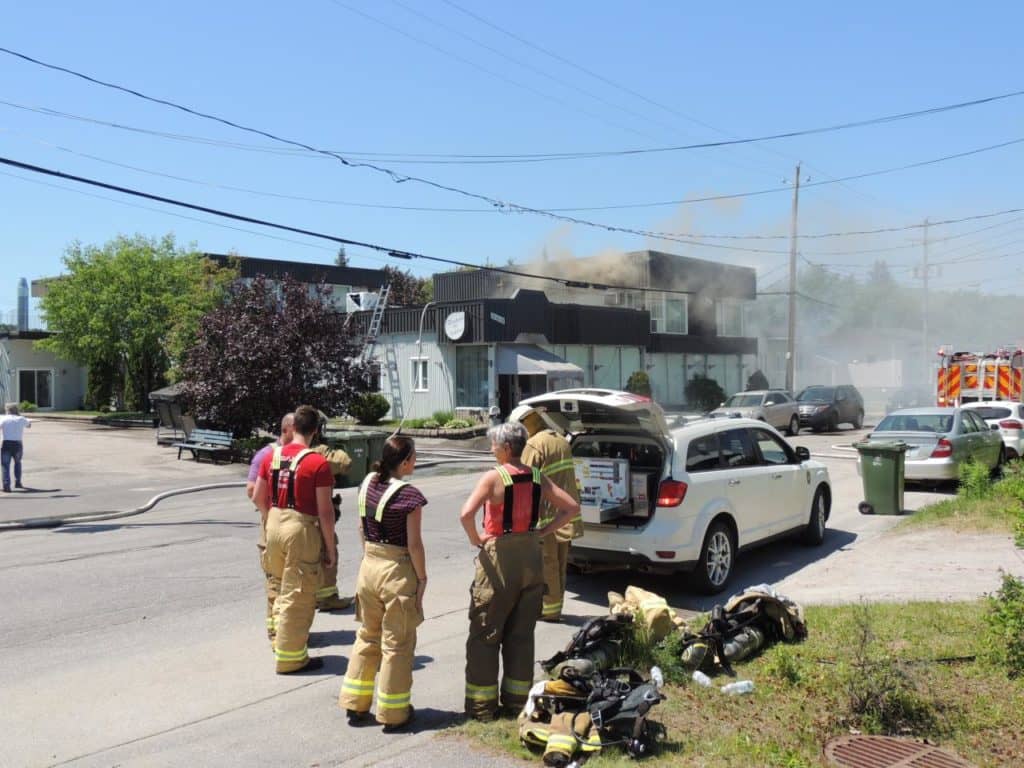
pixel 556 560
pixel 294 548
pixel 386 640
pixel 329 577
pixel 272 585
pixel 505 603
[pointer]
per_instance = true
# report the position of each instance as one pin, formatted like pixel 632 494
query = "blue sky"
pixel 411 80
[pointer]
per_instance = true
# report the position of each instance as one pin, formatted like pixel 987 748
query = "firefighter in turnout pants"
pixel 300 534
pixel 327 597
pixel 508 590
pixel 549 452
pixel 389 591
pixel 271 584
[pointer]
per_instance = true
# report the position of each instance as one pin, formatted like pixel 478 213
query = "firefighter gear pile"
pixel 745 624
pixel 579 715
pixel 648 607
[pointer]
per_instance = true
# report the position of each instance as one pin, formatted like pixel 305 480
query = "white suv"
pixel 697 494
pixel 1006 416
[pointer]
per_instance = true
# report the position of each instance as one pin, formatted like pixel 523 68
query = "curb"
pixel 32 523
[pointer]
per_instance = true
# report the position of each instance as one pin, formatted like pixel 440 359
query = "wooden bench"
pixel 207 441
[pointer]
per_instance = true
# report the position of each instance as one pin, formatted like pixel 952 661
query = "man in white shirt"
pixel 12 428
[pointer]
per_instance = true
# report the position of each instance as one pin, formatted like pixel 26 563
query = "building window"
pixel 471 376
pixel 36 386
pixel 729 317
pixel 420 367
pixel 668 313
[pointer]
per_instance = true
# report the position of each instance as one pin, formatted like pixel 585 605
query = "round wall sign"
pixel 455 326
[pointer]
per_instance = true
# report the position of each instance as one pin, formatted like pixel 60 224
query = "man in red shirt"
pixel 293 491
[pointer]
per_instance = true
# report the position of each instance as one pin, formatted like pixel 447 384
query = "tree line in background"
pixel 142 312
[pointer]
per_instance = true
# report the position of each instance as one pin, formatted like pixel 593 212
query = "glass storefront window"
pixel 471 376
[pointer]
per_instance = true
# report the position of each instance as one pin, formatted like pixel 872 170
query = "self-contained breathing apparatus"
pixel 590 704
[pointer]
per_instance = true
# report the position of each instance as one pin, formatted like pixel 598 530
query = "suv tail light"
pixel 671 493
pixel 1011 424
pixel 943 450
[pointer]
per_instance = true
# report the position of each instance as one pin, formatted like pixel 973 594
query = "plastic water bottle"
pixel 738 688
pixel 701 679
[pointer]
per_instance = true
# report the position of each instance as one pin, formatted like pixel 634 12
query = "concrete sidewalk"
pixel 74 468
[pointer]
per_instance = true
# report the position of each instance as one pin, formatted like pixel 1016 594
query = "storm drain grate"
pixel 888 752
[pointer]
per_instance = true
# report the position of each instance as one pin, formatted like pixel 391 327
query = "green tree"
pixel 128 310
pixel 639 383
pixel 407 290
pixel 341 259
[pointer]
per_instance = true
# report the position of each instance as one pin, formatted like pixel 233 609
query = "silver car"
pixel 773 406
pixel 939 440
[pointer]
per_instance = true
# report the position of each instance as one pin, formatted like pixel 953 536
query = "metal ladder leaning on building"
pixel 376 320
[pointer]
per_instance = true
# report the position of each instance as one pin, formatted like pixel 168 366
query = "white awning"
pixel 528 360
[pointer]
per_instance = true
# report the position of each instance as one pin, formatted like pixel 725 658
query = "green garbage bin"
pixel 881 470
pixel 356 445
pixel 375 445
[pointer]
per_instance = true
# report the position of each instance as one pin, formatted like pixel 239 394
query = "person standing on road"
pixel 12 427
pixel 389 591
pixel 549 452
pixel 300 534
pixel 508 589
pixel 327 597
pixel 271 584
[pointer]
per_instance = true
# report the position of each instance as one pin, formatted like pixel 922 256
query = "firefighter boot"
pixel 327 597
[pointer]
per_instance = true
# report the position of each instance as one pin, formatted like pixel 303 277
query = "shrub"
pixel 26 407
pixel 974 481
pixel 443 417
pixel 703 393
pixel 639 383
pixel 430 424
pixel 1004 619
pixel 369 408
pixel 457 424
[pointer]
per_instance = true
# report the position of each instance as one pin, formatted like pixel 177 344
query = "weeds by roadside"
pixel 981 503
pixel 1004 619
pixel 916 669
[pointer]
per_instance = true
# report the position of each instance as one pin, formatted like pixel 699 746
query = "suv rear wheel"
pixel 794 426
pixel 858 420
pixel 814 533
pixel 717 557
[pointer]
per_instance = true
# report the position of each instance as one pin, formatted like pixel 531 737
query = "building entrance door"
pixel 36 386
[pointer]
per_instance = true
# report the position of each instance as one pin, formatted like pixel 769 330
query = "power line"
pixel 300 198
pixel 495 209
pixel 560 155
pixel 393 252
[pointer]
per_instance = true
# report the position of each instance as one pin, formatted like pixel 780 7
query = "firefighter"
pixel 549 452
pixel 389 591
pixel 272 585
pixel 508 589
pixel 300 533
pixel 327 597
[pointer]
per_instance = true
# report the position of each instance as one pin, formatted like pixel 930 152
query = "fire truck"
pixel 967 377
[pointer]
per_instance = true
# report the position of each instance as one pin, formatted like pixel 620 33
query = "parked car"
pixel 699 492
pixel 773 406
pixel 939 440
pixel 1006 416
pixel 824 408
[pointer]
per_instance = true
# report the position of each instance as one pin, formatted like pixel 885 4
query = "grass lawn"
pixel 911 670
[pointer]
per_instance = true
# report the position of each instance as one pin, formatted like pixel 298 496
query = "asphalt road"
pixel 140 641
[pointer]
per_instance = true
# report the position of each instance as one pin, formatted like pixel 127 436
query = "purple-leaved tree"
pixel 273 345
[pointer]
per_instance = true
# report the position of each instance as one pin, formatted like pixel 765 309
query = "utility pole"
pixel 791 336
pixel 924 307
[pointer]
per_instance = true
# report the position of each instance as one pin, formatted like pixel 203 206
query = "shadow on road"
pixel 421 662
pixel 19 492
pixel 769 564
pixel 331 637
